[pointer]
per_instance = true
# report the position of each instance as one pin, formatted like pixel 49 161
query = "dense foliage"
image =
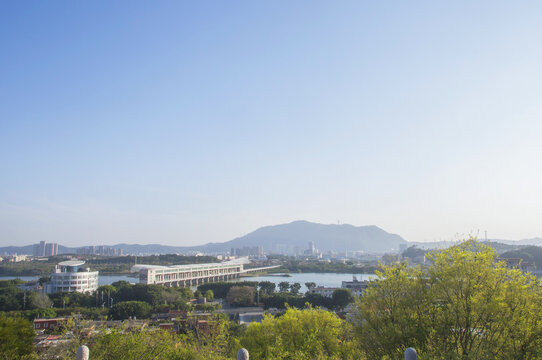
pixel 299 334
pixel 466 305
pixel 130 309
pixel 291 264
pixel 221 289
pixel 16 338
pixel 217 342
pixel 241 295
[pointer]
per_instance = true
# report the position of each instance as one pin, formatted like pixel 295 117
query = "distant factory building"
pixel 71 276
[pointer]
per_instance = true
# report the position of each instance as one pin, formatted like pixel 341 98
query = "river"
pixel 321 279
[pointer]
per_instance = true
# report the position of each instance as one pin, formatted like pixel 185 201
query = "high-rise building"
pixel 36 250
pixel 39 249
pixel 51 249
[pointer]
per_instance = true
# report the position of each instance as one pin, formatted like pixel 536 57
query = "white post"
pixel 242 354
pixel 82 353
pixel 411 354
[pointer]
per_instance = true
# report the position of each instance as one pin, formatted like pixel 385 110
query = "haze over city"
pixel 187 123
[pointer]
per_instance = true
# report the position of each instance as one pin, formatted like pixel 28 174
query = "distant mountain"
pixel 287 238
pixel 534 241
pixel 293 238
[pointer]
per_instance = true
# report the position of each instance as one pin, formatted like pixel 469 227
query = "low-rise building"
pixel 44 324
pixel 70 276
pixel 356 286
pixel 324 291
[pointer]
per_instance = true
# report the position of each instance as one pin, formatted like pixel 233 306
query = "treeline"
pixel 29 268
pixel 249 293
pixel 297 334
pixel 169 259
pixel 118 301
pixel 315 266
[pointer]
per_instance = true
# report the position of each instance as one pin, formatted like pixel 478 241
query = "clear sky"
pixel 183 123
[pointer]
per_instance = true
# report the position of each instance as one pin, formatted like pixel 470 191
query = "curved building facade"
pixel 70 276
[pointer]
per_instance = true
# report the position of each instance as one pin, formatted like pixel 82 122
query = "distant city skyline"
pixel 186 123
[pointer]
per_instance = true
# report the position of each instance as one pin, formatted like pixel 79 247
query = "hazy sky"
pixel 189 122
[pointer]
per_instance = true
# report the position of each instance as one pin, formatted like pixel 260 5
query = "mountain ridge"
pixel 292 237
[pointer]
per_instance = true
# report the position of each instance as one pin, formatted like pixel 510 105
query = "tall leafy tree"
pixel 341 298
pixel 294 288
pixel 467 305
pixel 284 286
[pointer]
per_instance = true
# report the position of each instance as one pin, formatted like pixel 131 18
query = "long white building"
pixel 190 275
pixel 70 276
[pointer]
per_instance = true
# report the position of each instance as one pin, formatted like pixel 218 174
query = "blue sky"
pixel 188 122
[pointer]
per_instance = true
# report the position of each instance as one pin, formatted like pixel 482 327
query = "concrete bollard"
pixel 242 354
pixel 411 354
pixel 82 353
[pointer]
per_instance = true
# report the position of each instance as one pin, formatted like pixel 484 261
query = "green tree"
pixel 209 295
pixel 241 295
pixel 341 298
pixel 284 286
pixel 298 334
pixel 483 308
pixel 310 285
pixel 126 309
pixel 16 338
pixel 267 287
pixel 294 288
pixel 39 301
pixel 467 305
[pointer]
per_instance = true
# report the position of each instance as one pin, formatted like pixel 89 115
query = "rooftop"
pixel 71 263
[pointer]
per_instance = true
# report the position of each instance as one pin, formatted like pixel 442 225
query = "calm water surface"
pixel 321 279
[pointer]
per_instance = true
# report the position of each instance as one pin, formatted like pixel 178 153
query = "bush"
pixel 298 334
pixel 16 338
